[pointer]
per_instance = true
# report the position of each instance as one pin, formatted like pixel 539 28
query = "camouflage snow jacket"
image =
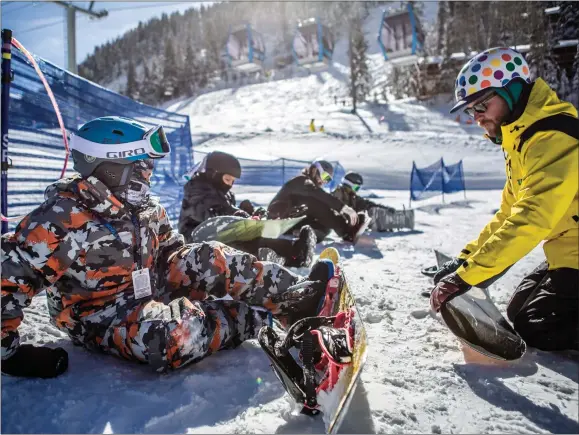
pixel 81 246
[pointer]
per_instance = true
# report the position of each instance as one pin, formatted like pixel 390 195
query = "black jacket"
pixel 201 201
pixel 299 191
pixel 351 199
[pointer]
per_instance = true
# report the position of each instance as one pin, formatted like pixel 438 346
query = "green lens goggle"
pixel 157 139
pixel 355 187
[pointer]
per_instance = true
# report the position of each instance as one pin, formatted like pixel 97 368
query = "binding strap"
pixel 562 122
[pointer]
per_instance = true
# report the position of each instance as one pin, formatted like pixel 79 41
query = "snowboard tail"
pixel 333 349
pixel 477 322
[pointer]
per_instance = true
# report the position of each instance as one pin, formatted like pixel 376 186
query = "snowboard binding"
pixel 325 347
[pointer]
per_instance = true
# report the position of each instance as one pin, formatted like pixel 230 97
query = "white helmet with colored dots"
pixel 493 68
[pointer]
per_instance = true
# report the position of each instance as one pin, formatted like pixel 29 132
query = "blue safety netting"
pixel 36 147
pixel 436 179
pixel 276 172
pixel 37 152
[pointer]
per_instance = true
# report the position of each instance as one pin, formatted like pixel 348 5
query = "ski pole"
pixel 6 79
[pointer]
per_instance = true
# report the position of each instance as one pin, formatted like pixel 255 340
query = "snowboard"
pixel 322 388
pixel 227 229
pixel 336 402
pixel 477 322
pixel 383 220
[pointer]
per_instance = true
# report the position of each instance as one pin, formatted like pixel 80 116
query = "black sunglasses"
pixel 480 107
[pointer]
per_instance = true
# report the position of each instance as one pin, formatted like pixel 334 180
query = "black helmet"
pixel 223 163
pixel 354 178
pixel 324 165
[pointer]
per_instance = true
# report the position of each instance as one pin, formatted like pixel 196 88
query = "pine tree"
pixel 132 85
pixel 188 75
pixel 567 26
pixel 540 58
pixel 564 86
pixel 170 70
pixel 360 78
pixel 441 26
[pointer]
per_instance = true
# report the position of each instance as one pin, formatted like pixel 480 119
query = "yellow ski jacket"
pixel 539 200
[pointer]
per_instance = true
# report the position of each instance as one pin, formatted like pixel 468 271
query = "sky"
pixel 41 25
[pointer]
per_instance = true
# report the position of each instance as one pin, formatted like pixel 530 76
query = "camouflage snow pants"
pixel 181 325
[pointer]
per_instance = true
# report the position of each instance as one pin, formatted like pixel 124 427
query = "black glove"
pixel 36 362
pixel 260 212
pixel 242 214
pixel 448 268
pixel 247 206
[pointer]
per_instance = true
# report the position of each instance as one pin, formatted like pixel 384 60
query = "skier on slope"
pixel 120 280
pixel 539 135
pixel 208 194
pixel 324 212
pixel 347 192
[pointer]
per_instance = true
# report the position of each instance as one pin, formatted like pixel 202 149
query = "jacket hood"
pixel 91 193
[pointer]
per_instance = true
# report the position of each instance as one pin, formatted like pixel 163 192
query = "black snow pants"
pixel 545 308
pixel 282 247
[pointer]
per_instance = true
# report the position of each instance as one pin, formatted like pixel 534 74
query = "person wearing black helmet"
pixel 208 194
pixel 347 192
pixel 304 195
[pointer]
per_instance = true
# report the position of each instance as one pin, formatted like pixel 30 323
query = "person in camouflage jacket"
pixel 83 246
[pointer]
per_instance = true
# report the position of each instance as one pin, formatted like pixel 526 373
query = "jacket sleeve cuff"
pixel 470 273
pixel 464 254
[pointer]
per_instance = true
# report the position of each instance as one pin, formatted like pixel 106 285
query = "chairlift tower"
pixel 71 11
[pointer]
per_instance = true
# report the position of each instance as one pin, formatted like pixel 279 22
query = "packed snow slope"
pixel 415 379
pixel 271 120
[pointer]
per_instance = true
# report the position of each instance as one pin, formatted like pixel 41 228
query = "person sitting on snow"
pixel 304 195
pixel 347 192
pixel 208 194
pixel 120 280
pixel 539 135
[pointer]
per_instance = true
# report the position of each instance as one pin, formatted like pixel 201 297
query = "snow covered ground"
pixel 415 379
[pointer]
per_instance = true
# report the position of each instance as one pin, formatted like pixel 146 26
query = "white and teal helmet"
pixel 493 68
pixel 107 147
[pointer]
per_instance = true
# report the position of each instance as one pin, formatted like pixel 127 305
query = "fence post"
pixel 462 178
pixel 442 178
pixel 411 175
pixel 6 79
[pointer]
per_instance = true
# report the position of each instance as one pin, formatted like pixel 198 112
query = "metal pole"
pixel 71 39
pixel 71 10
pixel 6 79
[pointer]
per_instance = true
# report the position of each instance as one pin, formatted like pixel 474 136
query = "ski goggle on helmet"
pixel 355 187
pixel 493 68
pixel 152 144
pixel 325 174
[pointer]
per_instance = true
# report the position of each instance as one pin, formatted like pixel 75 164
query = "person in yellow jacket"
pixel 539 135
pixel 312 126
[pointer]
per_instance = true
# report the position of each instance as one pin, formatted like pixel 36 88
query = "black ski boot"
pixel 303 248
pixel 354 232
pixel 305 299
